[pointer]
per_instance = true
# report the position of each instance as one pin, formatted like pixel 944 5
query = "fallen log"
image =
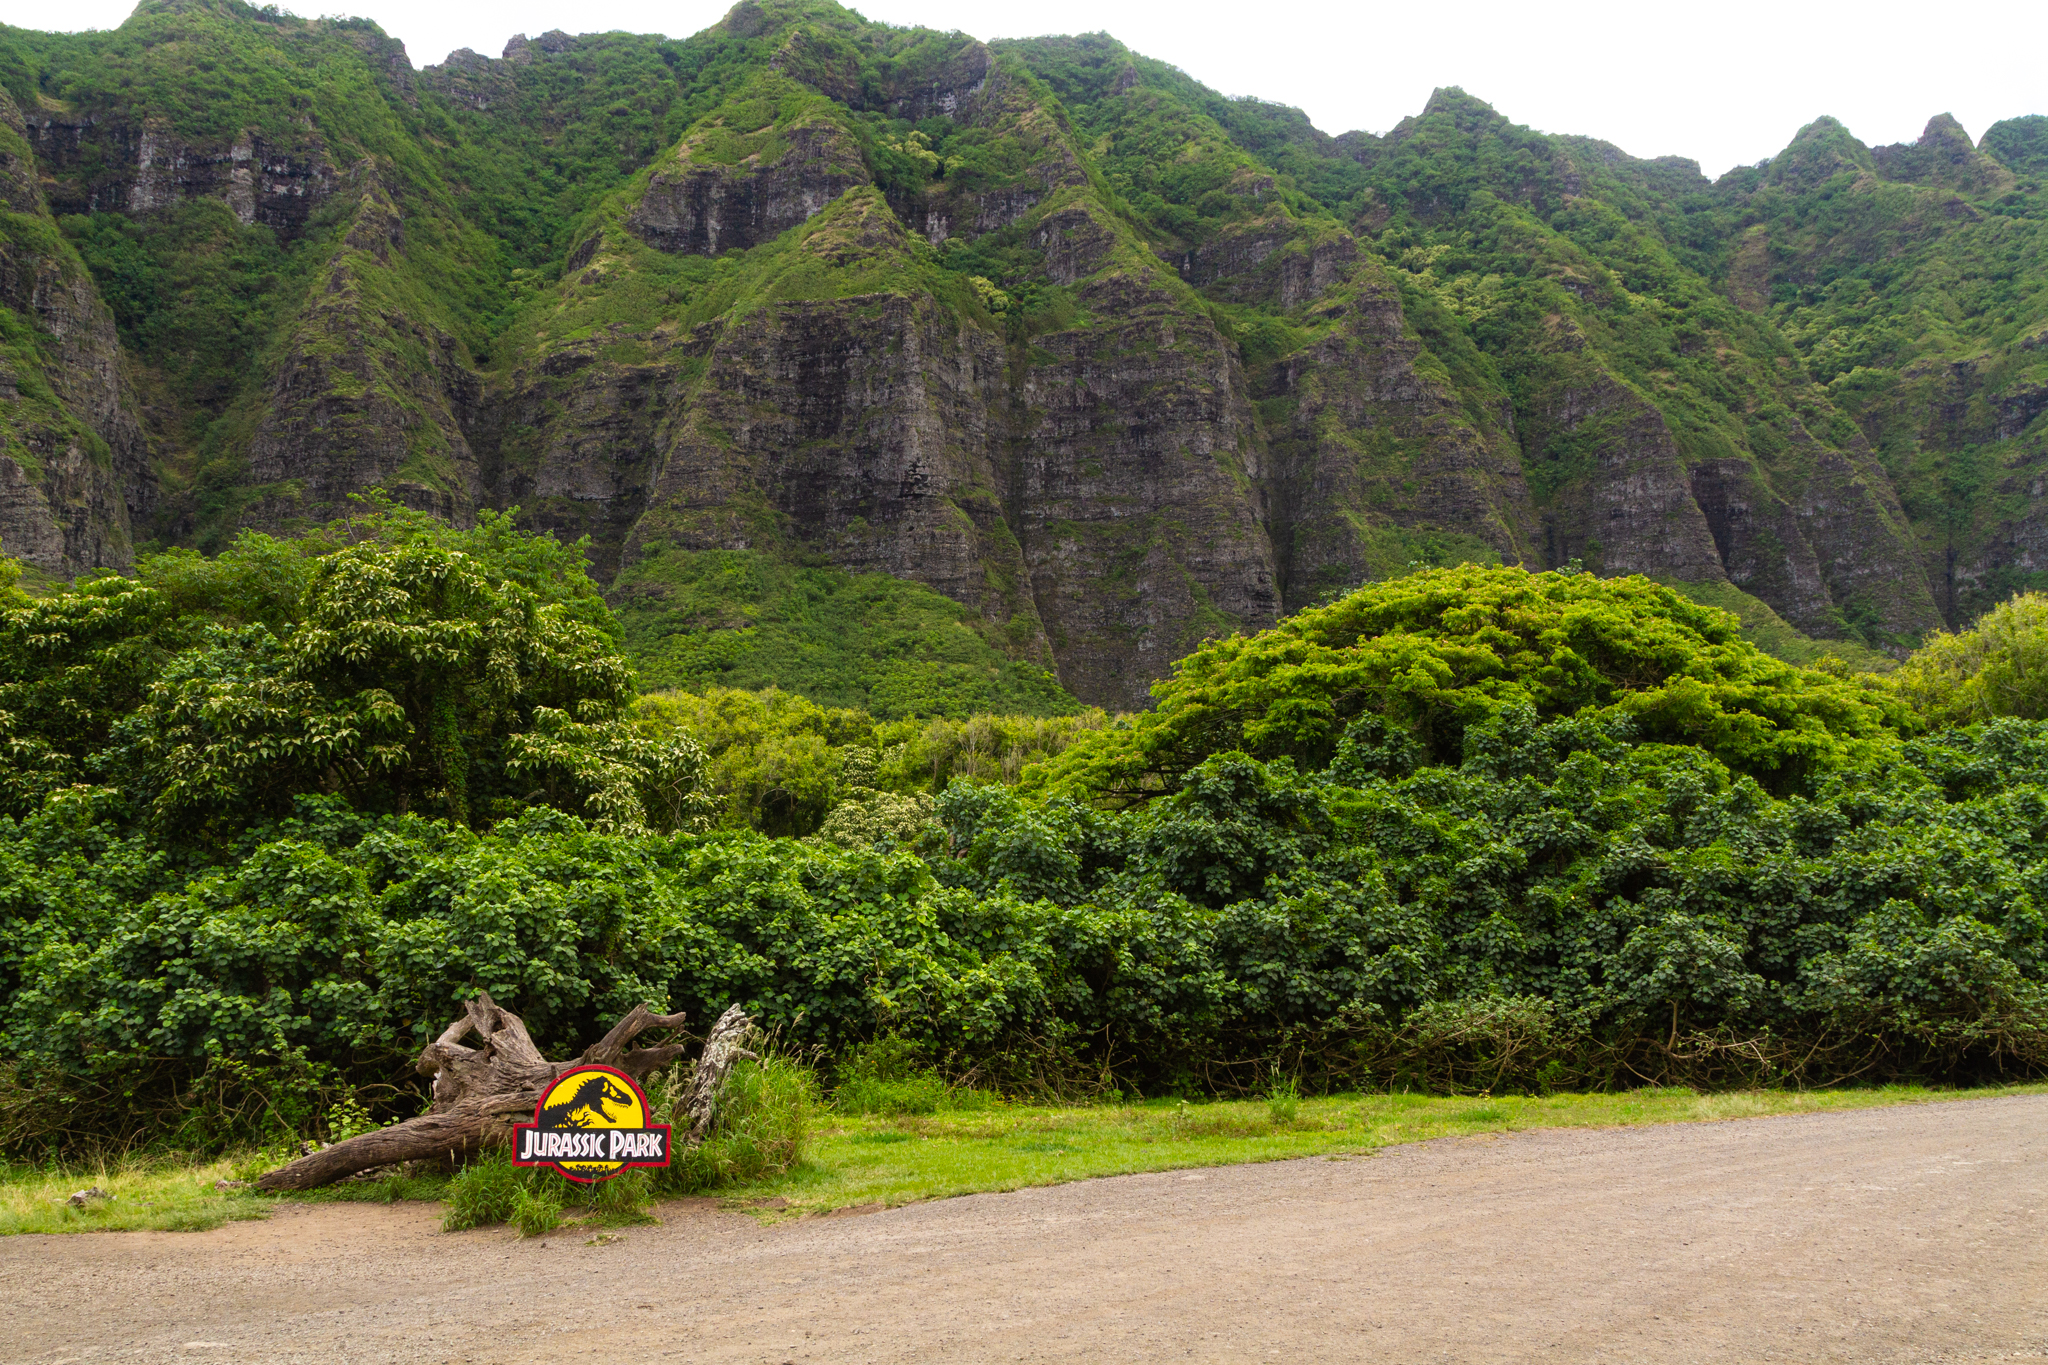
pixel 480 1092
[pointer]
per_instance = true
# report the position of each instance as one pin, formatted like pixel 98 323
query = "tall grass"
pixel 763 1126
pixel 888 1076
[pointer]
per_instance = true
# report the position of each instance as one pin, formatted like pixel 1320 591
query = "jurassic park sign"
pixel 591 1124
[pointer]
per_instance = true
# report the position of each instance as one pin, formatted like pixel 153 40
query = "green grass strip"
pixel 903 1159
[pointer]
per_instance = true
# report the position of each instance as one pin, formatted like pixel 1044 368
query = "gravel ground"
pixel 1904 1234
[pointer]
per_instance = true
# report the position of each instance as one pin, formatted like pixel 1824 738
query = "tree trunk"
pixel 480 1092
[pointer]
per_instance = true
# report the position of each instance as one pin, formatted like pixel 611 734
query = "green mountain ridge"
pixel 1103 361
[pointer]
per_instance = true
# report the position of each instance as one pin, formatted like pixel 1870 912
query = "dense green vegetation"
pixel 1421 661
pixel 269 811
pixel 780 763
pixel 741 619
pixel 392 662
pixel 271 815
pixel 1999 667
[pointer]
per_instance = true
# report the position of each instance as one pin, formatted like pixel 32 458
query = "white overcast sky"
pixel 1722 83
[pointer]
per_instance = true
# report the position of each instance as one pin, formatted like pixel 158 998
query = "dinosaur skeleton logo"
pixel 590 1125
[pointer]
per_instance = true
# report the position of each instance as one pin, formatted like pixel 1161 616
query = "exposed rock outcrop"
pixel 1363 442
pixel 1134 491
pixel 1620 498
pixel 96 163
pixel 702 206
pixel 1944 156
pixel 1275 260
pixel 1099 365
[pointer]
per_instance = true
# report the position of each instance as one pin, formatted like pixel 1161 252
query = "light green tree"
pixel 1998 667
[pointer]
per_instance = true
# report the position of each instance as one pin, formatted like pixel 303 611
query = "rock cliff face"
pixel 1045 326
pixel 857 429
pixel 136 168
pixel 364 396
pixel 1372 453
pixel 1086 490
pixel 73 462
pixel 1134 477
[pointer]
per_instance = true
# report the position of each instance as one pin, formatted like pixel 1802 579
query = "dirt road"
pixel 1906 1234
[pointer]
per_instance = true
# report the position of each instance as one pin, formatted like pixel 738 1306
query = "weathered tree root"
pixel 480 1092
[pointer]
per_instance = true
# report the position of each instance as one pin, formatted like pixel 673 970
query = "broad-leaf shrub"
pixel 779 763
pixel 1473 829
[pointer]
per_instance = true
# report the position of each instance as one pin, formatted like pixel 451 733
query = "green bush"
pixel 921 1092
pixel 782 764
pixel 393 662
pixel 713 620
pixel 1565 901
pixel 1604 880
pixel 772 758
pixel 882 821
pixel 884 1077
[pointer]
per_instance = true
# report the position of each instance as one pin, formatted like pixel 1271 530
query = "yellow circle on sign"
pixel 591 1098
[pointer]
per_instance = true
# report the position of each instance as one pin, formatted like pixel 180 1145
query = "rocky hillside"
pixel 1068 353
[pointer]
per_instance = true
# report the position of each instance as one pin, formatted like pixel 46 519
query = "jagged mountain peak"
pixel 1943 132
pixel 756 18
pixel 1468 112
pixel 1820 151
pixel 220 9
pixel 1945 156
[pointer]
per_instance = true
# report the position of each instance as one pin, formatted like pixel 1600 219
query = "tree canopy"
pixel 1998 667
pixel 1404 668
pixel 392 661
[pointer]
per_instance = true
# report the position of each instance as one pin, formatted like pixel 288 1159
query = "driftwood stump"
pixel 480 1092
pixel 721 1050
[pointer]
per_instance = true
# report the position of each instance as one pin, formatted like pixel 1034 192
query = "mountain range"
pixel 922 372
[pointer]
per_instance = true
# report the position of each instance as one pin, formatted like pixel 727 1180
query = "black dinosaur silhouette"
pixel 586 1106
